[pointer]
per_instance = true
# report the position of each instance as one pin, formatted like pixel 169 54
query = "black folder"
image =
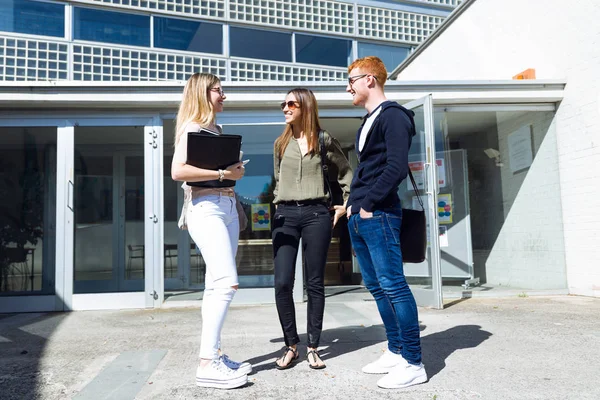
pixel 208 150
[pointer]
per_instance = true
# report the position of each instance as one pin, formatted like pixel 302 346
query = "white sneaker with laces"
pixel 403 375
pixel 244 367
pixel 384 364
pixel 220 376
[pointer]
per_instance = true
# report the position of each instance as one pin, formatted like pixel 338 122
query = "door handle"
pixel 70 190
pixel 426 168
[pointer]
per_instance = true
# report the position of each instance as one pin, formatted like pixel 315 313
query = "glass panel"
pixel 274 46
pixel 418 275
pixel 391 56
pixel 109 209
pixel 27 210
pixel 32 17
pixel 134 217
pixel 183 266
pixel 94 203
pixel 255 191
pixel 172 211
pixel 323 51
pixel 111 27
pixel 338 269
pixel 180 34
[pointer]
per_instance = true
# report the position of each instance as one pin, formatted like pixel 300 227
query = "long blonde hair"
pixel 309 119
pixel 194 106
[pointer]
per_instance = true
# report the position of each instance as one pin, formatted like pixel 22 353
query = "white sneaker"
pixel 403 375
pixel 384 364
pixel 220 376
pixel 243 367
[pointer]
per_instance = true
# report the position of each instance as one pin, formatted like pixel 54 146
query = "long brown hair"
pixel 309 121
pixel 194 106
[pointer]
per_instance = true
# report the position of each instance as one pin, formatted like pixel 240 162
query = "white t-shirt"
pixel 367 127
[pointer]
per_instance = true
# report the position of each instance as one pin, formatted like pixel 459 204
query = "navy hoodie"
pixel 383 161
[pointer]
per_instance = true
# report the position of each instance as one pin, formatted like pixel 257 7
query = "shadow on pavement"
pixel 438 346
pixel 334 342
pixel 338 341
pixel 22 343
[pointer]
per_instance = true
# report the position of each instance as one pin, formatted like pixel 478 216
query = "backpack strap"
pixel 412 179
pixel 324 167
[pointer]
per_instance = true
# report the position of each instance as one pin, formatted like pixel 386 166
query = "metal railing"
pixel 38 60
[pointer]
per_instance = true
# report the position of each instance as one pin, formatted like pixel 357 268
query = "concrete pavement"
pixel 478 348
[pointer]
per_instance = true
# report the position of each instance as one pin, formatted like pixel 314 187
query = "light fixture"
pixel 495 154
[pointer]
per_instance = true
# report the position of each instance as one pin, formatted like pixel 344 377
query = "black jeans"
pixel 312 223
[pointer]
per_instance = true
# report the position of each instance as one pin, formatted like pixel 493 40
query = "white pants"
pixel 214 226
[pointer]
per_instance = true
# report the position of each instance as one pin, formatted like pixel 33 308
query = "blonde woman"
pixel 211 217
pixel 303 213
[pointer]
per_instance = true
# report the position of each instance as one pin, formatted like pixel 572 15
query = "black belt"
pixel 301 203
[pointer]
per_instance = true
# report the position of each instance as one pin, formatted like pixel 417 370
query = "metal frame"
pixel 94 301
pixel 430 297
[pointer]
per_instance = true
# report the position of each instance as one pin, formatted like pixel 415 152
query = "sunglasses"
pixel 292 105
pixel 218 90
pixel 352 79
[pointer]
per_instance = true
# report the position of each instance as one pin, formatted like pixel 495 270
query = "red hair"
pixel 371 65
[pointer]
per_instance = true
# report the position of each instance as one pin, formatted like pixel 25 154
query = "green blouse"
pixel 300 177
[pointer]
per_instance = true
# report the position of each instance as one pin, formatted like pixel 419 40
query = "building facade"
pixel 87 108
pixel 547 225
pixel 118 234
pixel 238 40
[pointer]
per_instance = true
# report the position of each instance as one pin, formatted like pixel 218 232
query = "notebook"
pixel 209 150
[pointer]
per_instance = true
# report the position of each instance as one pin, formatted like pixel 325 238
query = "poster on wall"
pixel 261 217
pixel 443 230
pixel 445 210
pixel 520 153
pixel 418 170
pixel 443 236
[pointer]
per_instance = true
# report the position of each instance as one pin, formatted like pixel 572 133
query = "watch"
pixel 221 175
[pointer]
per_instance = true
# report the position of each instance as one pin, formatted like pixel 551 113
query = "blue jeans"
pixel 376 242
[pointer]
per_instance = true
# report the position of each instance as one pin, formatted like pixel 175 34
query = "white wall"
pixel 498 39
pixel 529 250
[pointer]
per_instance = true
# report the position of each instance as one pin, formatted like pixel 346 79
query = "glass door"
pixel 109 223
pixel 424 278
pixel 113 209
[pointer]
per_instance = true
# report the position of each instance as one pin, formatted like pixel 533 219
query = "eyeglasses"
pixel 218 90
pixel 292 105
pixel 352 79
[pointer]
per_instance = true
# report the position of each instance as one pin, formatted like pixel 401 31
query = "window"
pixel 179 34
pixel 323 51
pixel 32 17
pixel 391 56
pixel 111 27
pixel 264 45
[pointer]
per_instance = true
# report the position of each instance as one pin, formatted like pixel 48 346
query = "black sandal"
pixel 317 357
pixel 282 358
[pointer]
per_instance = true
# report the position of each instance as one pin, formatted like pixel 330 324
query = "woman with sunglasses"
pixel 211 217
pixel 302 213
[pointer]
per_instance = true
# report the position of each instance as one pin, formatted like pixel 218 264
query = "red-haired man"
pixel 375 214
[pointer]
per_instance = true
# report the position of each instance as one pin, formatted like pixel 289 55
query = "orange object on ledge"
pixel 527 74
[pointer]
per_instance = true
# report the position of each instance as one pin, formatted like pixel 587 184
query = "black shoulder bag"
pixel 413 232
